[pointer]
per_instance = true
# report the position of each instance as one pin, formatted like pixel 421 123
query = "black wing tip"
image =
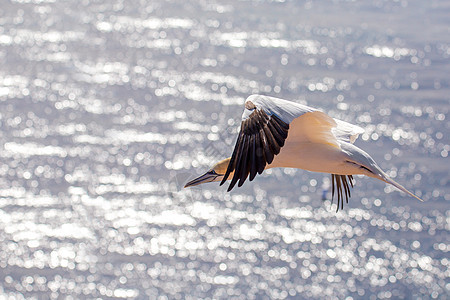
pixel 260 138
pixel 340 184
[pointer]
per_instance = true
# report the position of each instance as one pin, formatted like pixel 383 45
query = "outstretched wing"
pixel 264 130
pixel 266 124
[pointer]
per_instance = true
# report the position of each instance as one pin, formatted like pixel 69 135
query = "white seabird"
pixel 280 133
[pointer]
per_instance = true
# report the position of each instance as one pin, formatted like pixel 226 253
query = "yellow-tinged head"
pixel 215 174
pixel 221 166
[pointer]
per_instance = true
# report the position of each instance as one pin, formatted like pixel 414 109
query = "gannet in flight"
pixel 280 133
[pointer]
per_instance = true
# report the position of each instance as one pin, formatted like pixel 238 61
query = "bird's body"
pixel 307 155
pixel 280 133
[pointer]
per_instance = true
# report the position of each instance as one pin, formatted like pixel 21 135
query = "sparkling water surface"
pixel 108 107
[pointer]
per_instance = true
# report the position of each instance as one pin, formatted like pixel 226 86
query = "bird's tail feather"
pixel 369 167
pixel 389 180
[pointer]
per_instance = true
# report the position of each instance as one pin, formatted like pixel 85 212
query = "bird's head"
pixel 216 173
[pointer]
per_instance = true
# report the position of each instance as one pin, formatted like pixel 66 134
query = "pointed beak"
pixel 207 177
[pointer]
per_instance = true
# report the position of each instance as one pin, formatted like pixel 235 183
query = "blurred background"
pixel 108 107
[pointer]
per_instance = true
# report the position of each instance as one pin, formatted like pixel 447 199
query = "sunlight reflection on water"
pixel 108 109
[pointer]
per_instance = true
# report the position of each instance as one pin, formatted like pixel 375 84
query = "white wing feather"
pixel 306 123
pixel 287 111
pixel 346 132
